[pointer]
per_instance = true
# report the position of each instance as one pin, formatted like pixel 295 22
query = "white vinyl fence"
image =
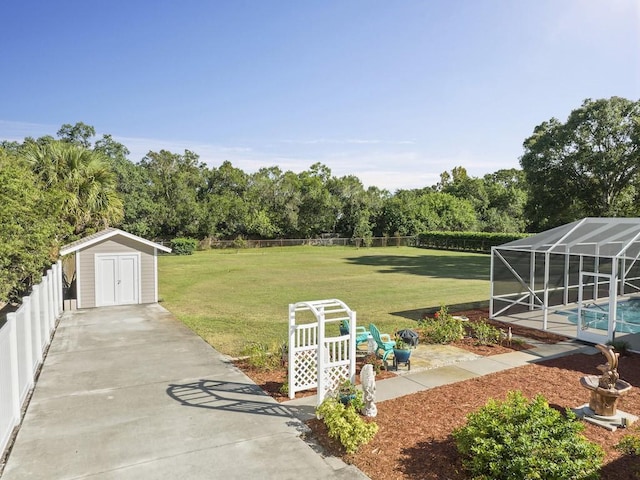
pixel 23 340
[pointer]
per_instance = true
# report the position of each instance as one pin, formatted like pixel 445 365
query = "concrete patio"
pixel 131 393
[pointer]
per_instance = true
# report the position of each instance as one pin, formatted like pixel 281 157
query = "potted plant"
pixel 346 391
pixel 401 353
pixel 348 394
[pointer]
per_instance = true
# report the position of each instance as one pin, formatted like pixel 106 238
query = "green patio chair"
pixel 383 343
pixel 362 335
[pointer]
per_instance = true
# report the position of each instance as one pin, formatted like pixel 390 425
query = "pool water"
pixel 628 312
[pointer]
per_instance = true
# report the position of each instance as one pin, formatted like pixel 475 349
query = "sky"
pixel 394 92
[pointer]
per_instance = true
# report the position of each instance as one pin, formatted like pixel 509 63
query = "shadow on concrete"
pixel 467 267
pixel 227 396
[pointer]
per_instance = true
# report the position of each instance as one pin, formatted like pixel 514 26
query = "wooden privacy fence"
pixel 24 338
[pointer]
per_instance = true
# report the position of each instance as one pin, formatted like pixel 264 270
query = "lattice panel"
pixel 335 375
pixel 306 369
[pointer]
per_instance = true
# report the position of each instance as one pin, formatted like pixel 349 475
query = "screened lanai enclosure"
pixel 581 280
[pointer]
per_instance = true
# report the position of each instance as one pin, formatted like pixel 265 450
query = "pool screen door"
pixel 596 320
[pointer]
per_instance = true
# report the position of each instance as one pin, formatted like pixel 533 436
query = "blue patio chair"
pixel 362 335
pixel 384 344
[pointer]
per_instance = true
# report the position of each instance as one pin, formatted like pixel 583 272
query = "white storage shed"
pixel 113 267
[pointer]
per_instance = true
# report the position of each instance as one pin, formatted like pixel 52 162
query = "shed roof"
pixel 598 236
pixel 104 235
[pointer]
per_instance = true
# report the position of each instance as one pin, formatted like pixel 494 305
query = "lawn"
pixel 231 297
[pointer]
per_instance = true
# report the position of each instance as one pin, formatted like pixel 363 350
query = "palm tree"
pixel 81 181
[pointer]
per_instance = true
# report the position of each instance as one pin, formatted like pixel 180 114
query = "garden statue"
pixel 606 390
pixel 368 381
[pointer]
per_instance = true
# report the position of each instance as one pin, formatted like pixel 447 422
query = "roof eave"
pixel 66 250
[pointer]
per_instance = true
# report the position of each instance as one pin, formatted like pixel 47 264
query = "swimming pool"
pixel 628 316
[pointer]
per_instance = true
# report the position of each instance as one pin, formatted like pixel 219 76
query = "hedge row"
pixel 467 241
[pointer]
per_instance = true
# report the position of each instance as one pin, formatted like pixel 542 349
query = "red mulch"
pixel 425 449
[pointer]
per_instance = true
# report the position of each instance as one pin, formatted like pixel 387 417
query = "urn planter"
pixel 401 357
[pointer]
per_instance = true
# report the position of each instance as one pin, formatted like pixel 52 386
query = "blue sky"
pixel 394 92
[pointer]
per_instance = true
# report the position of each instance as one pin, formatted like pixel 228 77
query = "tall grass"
pixel 230 298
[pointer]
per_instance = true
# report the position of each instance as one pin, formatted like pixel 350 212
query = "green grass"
pixel 233 297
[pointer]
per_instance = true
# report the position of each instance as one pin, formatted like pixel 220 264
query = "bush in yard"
pixel 183 246
pixel 526 440
pixel 264 357
pixel 630 443
pixel 484 333
pixel 345 424
pixel 442 328
pixel 375 361
pixel 239 242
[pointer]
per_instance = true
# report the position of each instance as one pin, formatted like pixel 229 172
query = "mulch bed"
pixel 414 438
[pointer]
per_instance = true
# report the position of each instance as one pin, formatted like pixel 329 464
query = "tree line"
pixel 58 189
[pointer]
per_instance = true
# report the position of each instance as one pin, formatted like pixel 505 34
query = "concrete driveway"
pixel 131 393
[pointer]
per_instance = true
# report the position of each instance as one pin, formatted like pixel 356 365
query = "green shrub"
pixel 345 424
pixel 630 443
pixel 484 333
pixel 183 245
pixel 526 440
pixel 262 356
pixel 442 328
pixel 284 388
pixel 374 360
pixel 467 241
pixel 239 243
pixel 348 394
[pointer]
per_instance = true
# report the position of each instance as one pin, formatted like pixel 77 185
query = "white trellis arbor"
pixel 315 359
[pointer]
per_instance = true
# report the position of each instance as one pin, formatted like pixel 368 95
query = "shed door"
pixel 117 280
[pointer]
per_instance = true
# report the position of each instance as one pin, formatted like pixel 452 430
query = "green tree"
pixel 410 212
pixel 356 209
pixel 225 209
pixel 507 196
pixel 176 185
pixel 273 201
pixel 79 134
pixel 81 181
pixel 461 185
pixel 29 227
pixel 317 211
pixel 587 166
pixel 133 187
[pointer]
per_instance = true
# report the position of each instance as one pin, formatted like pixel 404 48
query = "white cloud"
pixel 17 131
